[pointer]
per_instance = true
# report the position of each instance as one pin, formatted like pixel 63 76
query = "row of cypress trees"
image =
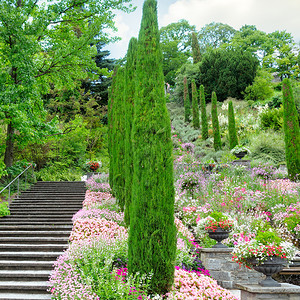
pixel 147 193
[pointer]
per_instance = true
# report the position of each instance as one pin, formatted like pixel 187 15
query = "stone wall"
pixel 227 272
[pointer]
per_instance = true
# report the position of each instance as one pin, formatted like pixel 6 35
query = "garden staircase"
pixel 34 235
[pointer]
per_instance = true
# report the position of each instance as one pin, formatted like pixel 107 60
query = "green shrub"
pixel 4 210
pixel 267 146
pixel 272 118
pixel 215 122
pixel 59 172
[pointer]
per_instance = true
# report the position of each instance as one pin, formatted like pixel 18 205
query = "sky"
pixel 266 15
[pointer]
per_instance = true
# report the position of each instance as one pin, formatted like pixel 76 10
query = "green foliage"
pixel 195 107
pixel 227 72
pixel 187 104
pixel 218 216
pixel 267 146
pixel 195 48
pixel 233 140
pixel 215 123
pixel 291 131
pixel 204 125
pixel 44 46
pixel 261 87
pixel 129 110
pixel 175 41
pixel 272 118
pixel 152 235
pixel 116 139
pixel 267 238
pixel 59 171
pixel 292 222
pixel 4 210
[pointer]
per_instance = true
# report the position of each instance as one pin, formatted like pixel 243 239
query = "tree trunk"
pixel 9 154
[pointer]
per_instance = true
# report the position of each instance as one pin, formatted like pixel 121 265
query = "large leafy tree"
pixel 44 45
pixel 176 46
pixel 227 72
pixel 152 235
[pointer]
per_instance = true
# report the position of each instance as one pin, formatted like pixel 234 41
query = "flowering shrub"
pixel 93 199
pixel 94 185
pixel 266 244
pixel 89 228
pixel 264 171
pixel 190 285
pixel 107 214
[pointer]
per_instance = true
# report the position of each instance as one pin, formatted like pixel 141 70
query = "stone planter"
pixel 240 155
pixel 269 267
pixel 219 235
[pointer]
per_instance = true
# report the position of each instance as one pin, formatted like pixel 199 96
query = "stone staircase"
pixel 34 235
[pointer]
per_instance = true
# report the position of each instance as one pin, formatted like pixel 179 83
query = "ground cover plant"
pixel 95 264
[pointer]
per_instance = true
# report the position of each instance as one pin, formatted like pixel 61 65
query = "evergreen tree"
pixel 195 49
pixel 215 123
pixel 116 136
pixel 291 131
pixel 186 98
pixel 233 140
pixel 195 106
pixel 152 235
pixel 204 125
pixel 129 106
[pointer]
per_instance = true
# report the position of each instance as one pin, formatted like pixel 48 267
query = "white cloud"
pixel 267 15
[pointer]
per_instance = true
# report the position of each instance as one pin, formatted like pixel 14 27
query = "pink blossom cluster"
pixel 284 185
pixel 96 184
pixel 191 286
pixel 66 283
pixel 89 228
pixel 183 230
pixel 107 214
pixel 94 198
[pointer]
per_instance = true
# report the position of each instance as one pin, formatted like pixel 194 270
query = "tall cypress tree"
pixel 233 140
pixel 215 122
pixel 195 49
pixel 291 131
pixel 152 235
pixel 116 136
pixel 204 125
pixel 195 107
pixel 186 99
pixel 129 105
pixel 111 124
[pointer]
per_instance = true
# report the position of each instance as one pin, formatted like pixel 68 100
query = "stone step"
pixel 37 218
pixel 33 240
pixel 17 247
pixel 46 202
pixel 22 296
pixel 51 228
pixel 28 286
pixel 26 265
pixel 19 275
pixel 35 222
pixel 45 256
pixel 48 212
pixel 36 233
pixel 31 207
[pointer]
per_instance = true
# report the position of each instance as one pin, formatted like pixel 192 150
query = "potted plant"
pixel 92 167
pixel 266 253
pixel 217 226
pixel 240 151
pixel 209 165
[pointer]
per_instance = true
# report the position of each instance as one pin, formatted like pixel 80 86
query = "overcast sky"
pixel 266 15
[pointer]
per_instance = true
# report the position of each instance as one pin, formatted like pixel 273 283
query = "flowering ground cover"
pixel 94 266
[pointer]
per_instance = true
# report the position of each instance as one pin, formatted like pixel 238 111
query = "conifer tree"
pixel 195 107
pixel 152 235
pixel 116 120
pixel 233 140
pixel 195 49
pixel 129 105
pixel 291 131
pixel 204 125
pixel 215 123
pixel 186 99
